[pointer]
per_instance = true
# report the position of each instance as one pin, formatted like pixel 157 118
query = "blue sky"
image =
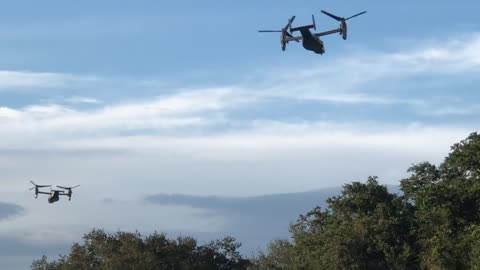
pixel 135 99
pixel 155 38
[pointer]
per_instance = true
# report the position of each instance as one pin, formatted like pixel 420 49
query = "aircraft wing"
pixel 293 38
pixel 42 192
pixel 321 34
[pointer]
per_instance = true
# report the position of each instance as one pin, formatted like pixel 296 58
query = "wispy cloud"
pixel 15 80
pixel 451 110
pixel 80 100
pixel 164 112
pixel 32 228
pixel 353 80
pixel 379 77
pixel 373 78
pixel 74 101
pixel 453 56
pixel 8 210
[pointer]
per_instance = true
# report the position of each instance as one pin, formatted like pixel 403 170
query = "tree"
pixel 366 227
pixel 446 202
pixel 277 257
pixel 434 224
pixel 130 251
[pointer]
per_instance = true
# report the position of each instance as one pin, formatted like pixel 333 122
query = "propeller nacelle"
pixel 69 191
pixel 343 22
pixel 344 30
pixel 285 32
pixel 36 187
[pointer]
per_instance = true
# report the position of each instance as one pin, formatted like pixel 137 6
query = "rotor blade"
pixel 291 20
pixel 42 186
pixel 32 188
pixel 270 31
pixel 39 186
pixel 289 24
pixel 361 13
pixel 68 187
pixel 332 16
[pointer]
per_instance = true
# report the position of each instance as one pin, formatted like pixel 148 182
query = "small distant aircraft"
pixel 311 41
pixel 54 195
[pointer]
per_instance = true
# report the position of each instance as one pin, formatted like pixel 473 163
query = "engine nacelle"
pixel 344 32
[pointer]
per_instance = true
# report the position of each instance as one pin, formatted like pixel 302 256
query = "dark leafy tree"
pixel 447 202
pixel 130 251
pixel 366 227
pixel 434 224
pixel 277 257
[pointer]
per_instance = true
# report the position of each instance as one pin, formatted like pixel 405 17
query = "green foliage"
pixel 464 160
pixel 472 246
pixel 278 256
pixel 434 224
pixel 446 202
pixel 131 251
pixel 364 228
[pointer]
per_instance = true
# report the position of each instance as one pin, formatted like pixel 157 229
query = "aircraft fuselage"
pixel 54 197
pixel 311 42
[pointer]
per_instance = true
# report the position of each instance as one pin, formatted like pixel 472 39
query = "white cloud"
pixel 159 113
pixel 14 80
pixel 450 110
pixel 79 100
pixel 453 55
pixel 348 79
pixel 70 220
pixel 261 159
pixel 377 77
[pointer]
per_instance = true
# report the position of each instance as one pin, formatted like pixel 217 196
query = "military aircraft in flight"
pixel 310 40
pixel 53 195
